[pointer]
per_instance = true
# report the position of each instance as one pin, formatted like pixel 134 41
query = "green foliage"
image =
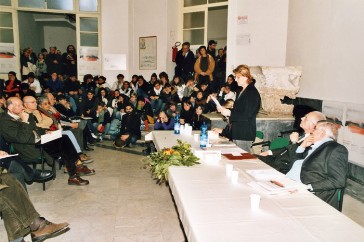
pixel 178 155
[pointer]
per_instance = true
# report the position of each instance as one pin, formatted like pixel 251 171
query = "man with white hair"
pixel 281 159
pixel 321 163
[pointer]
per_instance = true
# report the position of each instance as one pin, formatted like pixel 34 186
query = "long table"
pixel 211 208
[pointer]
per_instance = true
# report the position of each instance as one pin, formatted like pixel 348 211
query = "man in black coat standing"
pixel 321 163
pixel 185 61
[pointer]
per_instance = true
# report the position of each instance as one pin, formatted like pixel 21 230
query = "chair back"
pixel 278 143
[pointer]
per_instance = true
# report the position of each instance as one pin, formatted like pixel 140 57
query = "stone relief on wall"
pixel 274 83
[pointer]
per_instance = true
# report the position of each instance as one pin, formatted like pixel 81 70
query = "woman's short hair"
pixel 244 71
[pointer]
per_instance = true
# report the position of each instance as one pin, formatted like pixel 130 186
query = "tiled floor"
pixel 121 204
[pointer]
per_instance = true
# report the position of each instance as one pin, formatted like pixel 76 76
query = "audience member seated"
pixel 19 215
pixel 198 119
pixel 178 87
pixel 133 100
pixel 143 87
pixel 19 128
pixel 225 94
pixel 172 109
pixel 134 83
pixel 72 88
pixel 54 83
pixel 104 97
pixel 187 112
pixel 190 88
pixel 118 84
pixel 164 122
pixel 145 112
pixel 101 83
pixel 34 84
pixel 101 120
pixel 89 104
pixel 163 77
pixel 126 89
pixel 321 163
pixel 281 159
pixel 88 84
pixel 130 128
pixel 44 118
pixel 232 83
pixel 67 115
pixel 166 96
pixel 12 85
pixel 154 97
pixel 25 90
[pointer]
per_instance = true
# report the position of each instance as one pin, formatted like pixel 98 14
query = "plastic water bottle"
pixel 177 125
pixel 203 136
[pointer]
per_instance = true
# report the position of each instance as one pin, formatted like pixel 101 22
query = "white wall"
pixel 123 22
pixel 326 37
pixel 115 34
pixel 267 27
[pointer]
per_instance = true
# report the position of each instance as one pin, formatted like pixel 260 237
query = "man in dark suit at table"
pixel 321 163
pixel 281 159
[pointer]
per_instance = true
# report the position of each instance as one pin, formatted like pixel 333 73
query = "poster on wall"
pixel 7 58
pixel 115 62
pixel 148 53
pixel 89 62
pixel 350 117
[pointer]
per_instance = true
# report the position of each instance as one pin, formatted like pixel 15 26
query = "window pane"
pixel 88 24
pixel 194 20
pixel 217 1
pixel 60 4
pixel 32 3
pixel 89 40
pixel 5 2
pixel 194 36
pixel 6 20
pixel 6 36
pixel 188 3
pixel 88 5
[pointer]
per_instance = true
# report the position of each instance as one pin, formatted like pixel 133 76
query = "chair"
pixel 340 196
pixel 40 160
pixel 257 145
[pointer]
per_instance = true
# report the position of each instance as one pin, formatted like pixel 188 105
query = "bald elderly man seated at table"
pixel 281 159
pixel 321 163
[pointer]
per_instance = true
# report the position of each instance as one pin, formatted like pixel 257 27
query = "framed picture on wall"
pixel 148 53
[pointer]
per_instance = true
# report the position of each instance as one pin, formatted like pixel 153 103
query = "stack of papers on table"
pixel 270 182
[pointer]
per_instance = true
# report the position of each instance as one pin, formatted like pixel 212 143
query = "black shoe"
pixel 87 148
pixel 42 175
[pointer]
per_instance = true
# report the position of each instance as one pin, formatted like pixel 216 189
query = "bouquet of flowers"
pixel 178 155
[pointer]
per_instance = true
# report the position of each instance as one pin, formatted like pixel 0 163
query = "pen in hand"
pixel 277 183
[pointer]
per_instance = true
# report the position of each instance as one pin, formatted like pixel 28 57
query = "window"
pixel 204 20
pixel 5 2
pixel 88 5
pixel 6 28
pixel 89 32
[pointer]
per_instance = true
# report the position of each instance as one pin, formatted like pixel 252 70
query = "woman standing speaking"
pixel 242 121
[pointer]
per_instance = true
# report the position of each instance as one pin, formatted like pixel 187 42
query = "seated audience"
pixel 154 97
pixel 19 128
pixel 54 83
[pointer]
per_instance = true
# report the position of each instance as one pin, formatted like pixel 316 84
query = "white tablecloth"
pixel 211 208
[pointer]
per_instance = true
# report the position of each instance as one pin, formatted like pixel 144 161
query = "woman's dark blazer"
pixel 243 115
